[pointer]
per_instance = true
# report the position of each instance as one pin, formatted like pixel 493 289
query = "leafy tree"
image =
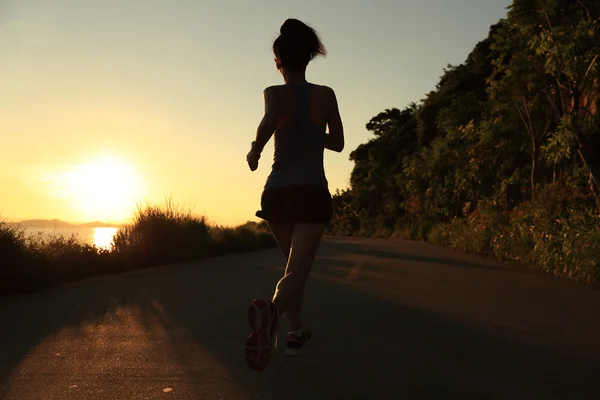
pixel 521 110
pixel 547 70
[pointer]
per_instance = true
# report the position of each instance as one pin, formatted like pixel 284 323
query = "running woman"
pixel 296 202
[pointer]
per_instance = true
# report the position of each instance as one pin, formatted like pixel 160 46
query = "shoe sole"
pixel 258 349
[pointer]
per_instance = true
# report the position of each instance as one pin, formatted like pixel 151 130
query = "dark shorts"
pixel 296 205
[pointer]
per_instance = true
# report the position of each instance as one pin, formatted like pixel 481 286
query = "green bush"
pixel 547 234
pixel 557 232
pixel 64 257
pixel 246 237
pixel 16 262
pixel 562 241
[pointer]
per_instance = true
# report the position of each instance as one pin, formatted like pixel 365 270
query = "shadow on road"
pixel 412 252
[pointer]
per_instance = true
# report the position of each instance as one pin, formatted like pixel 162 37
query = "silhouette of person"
pixel 296 202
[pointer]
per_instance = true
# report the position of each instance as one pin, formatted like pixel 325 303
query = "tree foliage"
pixel 521 111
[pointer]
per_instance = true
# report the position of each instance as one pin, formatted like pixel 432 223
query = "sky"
pixel 109 104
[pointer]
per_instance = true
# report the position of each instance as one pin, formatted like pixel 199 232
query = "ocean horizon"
pixel 100 236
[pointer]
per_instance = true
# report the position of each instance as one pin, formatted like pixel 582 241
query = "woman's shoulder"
pixel 279 88
pixel 323 88
pixel 273 90
pixel 276 92
pixel 325 92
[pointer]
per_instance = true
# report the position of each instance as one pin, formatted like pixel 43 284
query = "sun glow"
pixel 102 190
pixel 103 237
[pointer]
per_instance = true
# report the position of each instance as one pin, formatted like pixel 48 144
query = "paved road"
pixel 391 319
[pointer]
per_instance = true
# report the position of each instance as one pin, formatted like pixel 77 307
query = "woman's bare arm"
pixel 334 140
pixel 269 121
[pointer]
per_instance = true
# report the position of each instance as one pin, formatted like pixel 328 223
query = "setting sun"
pixel 106 189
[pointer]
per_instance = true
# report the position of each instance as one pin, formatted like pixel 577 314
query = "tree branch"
pixel 524 121
pixel 562 98
pixel 587 11
pixel 547 17
pixel 568 81
pixel 552 103
pixel 588 71
pixel 528 116
pixel 592 171
pixel 548 122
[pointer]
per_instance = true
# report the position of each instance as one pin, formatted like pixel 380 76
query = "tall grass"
pixel 164 234
pixel 157 235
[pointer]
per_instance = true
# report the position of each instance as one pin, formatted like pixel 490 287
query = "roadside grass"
pixel 157 235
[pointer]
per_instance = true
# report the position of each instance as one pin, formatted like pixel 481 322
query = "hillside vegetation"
pixel 503 157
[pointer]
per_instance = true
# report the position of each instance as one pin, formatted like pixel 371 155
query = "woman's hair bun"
pixel 298 44
pixel 294 28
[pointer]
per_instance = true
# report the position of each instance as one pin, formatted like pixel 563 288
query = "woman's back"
pixel 317 97
pixel 300 135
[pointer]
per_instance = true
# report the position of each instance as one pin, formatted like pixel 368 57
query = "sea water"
pixel 99 236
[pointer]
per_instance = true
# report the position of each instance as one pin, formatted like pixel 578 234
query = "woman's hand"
pixel 252 158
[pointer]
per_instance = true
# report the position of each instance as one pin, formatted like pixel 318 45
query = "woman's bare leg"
pixel 305 242
pixel 283 236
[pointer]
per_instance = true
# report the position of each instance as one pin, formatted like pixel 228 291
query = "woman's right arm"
pixel 334 140
pixel 269 122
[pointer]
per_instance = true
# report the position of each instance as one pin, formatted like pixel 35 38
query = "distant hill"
pixel 44 223
pixel 56 223
pixel 98 224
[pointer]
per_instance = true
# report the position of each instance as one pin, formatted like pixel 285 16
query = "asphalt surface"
pixel 391 320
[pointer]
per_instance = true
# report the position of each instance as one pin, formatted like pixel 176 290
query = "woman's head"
pixel 297 45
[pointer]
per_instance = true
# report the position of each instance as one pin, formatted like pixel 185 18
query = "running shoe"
pixel 261 344
pixel 297 342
